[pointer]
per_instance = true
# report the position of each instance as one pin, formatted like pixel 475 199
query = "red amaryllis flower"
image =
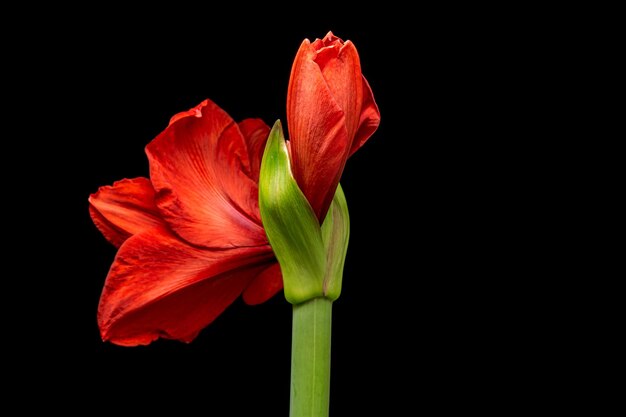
pixel 190 238
pixel 331 112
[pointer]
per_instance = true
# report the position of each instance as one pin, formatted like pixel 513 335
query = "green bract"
pixel 335 235
pixel 311 257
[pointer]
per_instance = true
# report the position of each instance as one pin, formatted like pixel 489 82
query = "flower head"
pixel 331 113
pixel 190 238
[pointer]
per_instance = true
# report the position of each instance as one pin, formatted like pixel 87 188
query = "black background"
pixel 425 318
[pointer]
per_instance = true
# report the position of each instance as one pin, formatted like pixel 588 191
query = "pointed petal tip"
pixel 330 37
pixel 349 46
pixel 143 340
pixel 194 111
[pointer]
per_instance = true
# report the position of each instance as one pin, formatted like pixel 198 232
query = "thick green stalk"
pixel 310 358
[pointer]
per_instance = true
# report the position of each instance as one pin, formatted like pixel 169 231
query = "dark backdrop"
pixel 417 324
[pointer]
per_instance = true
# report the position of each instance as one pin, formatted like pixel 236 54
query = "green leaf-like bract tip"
pixel 311 257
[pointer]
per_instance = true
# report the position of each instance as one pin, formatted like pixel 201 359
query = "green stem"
pixel 310 358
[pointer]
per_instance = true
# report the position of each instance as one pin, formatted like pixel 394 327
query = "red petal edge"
pixel 370 118
pixel 124 209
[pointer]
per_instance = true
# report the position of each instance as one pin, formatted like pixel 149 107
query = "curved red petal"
pixel 341 70
pixel 124 209
pixel 201 171
pixel 370 118
pixel 255 133
pixel 159 286
pixel 264 286
pixel 319 140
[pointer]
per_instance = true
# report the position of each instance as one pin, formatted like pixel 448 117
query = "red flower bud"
pixel 331 112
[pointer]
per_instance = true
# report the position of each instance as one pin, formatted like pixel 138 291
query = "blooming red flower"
pixel 331 112
pixel 190 238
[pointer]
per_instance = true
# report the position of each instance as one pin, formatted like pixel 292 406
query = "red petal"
pixel 264 286
pixel 200 168
pixel 319 141
pixel 124 209
pixel 342 72
pixel 370 118
pixel 255 133
pixel 159 286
